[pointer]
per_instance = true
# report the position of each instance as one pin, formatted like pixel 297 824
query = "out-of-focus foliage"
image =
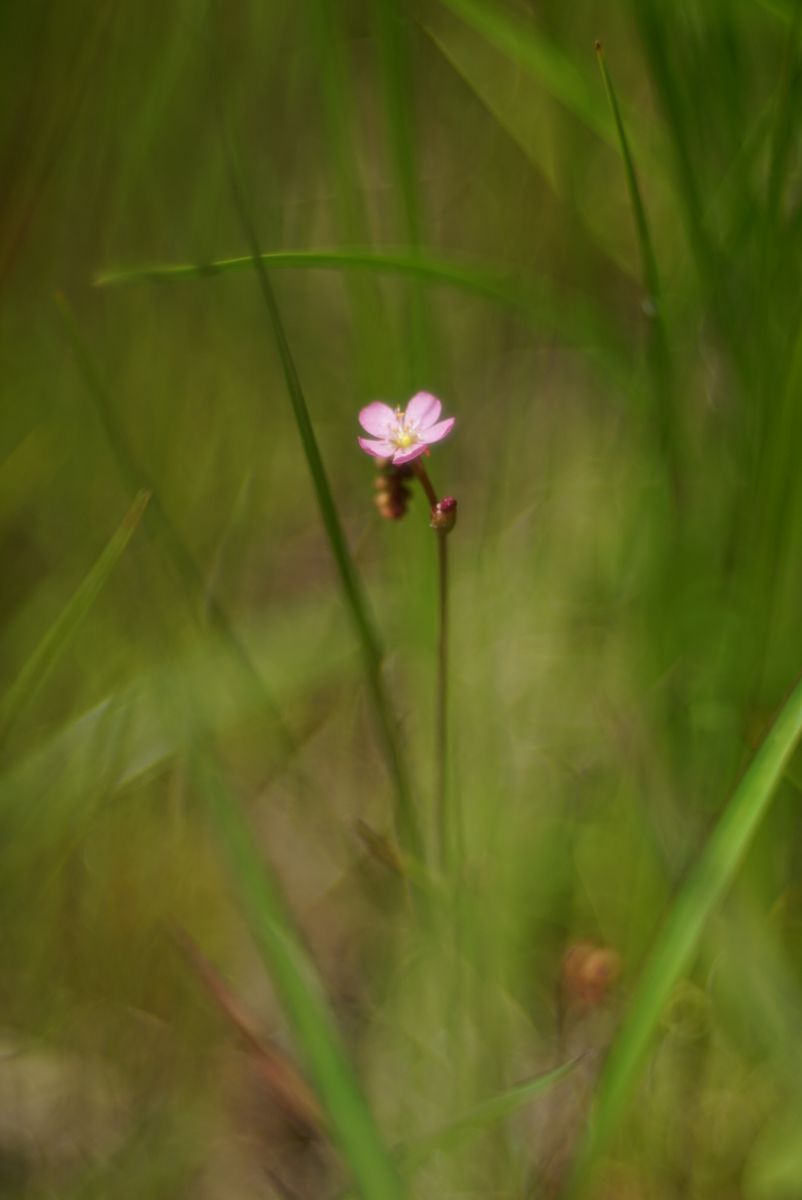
pixel 442 188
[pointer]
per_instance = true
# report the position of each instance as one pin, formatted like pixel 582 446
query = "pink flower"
pixel 402 436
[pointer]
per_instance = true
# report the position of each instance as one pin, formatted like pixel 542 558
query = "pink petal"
pixel 376 418
pixel 436 433
pixel 376 448
pixel 405 456
pixel 423 409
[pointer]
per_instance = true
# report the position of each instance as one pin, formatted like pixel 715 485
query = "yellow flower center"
pixel 403 437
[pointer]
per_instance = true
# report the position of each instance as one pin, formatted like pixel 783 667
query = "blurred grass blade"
pixel 675 945
pixel 199 598
pixel 33 675
pixel 653 35
pixel 202 692
pixel 299 990
pixel 651 276
pixel 523 42
pixel 512 104
pixel 399 110
pixel 339 112
pixel 406 819
pixel 414 1154
pixel 783 9
pixel 659 357
pixel 574 318
pixel 786 104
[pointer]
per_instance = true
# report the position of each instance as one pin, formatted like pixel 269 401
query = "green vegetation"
pixel 231 964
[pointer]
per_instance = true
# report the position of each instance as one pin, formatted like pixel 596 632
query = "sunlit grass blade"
pixel 538 302
pixel 523 42
pixel 301 995
pixel 677 941
pixel 514 109
pixel 406 819
pixel 201 602
pixel 38 666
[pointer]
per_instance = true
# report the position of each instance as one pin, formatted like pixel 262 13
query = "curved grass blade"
pixel 415 1154
pixel 675 945
pixel 41 662
pixel 301 995
pixel 573 318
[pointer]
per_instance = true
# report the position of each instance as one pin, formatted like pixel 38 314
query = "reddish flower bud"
pixel 444 515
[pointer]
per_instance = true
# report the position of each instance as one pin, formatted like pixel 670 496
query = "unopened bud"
pixel 444 515
pixel 392 493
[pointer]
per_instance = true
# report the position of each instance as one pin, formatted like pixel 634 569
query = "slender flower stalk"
pixel 400 441
pixel 444 516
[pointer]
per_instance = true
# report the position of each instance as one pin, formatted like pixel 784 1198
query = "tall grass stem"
pixel 406 820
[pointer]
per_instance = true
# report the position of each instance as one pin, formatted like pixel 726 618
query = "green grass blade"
pixel 414 1154
pixel 655 41
pixel 659 357
pixel 41 662
pixel 523 42
pixel 406 819
pixel 339 112
pixel 674 948
pixel 651 277
pixel 782 9
pixel 398 106
pixel 537 302
pixel 301 995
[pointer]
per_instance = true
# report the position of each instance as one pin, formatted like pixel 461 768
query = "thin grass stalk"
pixel 443 833
pixel 675 945
pixel 445 848
pixel 406 820
pixel 200 600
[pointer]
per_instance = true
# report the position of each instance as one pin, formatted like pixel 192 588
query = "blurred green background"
pixel 626 578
